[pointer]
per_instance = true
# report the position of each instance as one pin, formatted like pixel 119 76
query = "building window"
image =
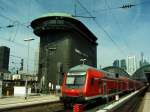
pixel 52 51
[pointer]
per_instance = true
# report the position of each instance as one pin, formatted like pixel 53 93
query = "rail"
pixel 128 103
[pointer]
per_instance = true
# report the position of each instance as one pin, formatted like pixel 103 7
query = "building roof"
pixel 57 14
pixel 140 74
pixel 66 17
pixel 116 70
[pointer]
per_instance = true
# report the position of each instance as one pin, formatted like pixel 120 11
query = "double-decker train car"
pixel 84 83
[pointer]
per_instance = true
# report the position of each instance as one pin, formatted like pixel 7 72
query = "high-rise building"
pixel 116 63
pixel 123 64
pixel 143 61
pixel 64 40
pixel 131 64
pixel 4 58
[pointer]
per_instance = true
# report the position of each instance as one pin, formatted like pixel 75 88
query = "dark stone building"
pixel 4 58
pixel 64 40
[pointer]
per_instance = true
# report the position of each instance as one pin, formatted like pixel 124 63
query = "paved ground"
pixel 146 103
pixel 8 102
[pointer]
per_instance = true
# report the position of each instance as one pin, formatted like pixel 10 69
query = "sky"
pixel 120 32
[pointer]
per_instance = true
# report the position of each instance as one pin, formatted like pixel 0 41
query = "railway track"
pixel 56 106
pixel 131 104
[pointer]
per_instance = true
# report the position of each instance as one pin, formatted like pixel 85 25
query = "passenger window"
pixel 92 81
pixel 100 83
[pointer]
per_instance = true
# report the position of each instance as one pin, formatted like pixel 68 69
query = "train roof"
pixel 84 68
pixel 69 18
pixel 81 67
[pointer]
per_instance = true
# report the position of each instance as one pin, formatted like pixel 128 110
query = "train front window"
pixel 75 81
pixel 70 80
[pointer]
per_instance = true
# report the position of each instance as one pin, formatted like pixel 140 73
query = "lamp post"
pixel 26 83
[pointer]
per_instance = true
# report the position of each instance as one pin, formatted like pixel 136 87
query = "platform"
pixel 10 102
pixel 145 105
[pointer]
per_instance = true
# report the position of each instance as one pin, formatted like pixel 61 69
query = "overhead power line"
pixel 103 10
pixel 117 24
pixel 18 57
pixel 85 8
pixel 100 27
pixel 130 5
pixel 84 16
pixel 22 45
pixel 16 24
pixel 124 6
pixel 17 43
pixel 7 26
pixel 108 35
pixel 14 21
pixel 75 6
pixel 127 6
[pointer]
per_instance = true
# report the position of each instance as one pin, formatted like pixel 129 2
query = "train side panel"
pixel 96 84
pixel 93 85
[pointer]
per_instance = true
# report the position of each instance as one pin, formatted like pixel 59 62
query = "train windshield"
pixel 75 81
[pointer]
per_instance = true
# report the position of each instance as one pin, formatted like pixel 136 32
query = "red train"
pixel 84 83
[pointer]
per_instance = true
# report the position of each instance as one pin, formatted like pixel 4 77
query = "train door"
pixel 100 86
pixel 105 87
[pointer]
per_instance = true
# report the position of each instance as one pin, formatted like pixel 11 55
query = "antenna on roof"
pixel 83 61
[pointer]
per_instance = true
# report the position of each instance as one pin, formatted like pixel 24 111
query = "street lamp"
pixel 28 40
pixel 26 84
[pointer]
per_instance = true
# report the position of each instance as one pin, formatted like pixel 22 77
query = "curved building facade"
pixel 64 40
pixel 116 70
pixel 142 74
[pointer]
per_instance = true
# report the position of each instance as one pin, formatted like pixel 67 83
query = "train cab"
pixel 82 83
